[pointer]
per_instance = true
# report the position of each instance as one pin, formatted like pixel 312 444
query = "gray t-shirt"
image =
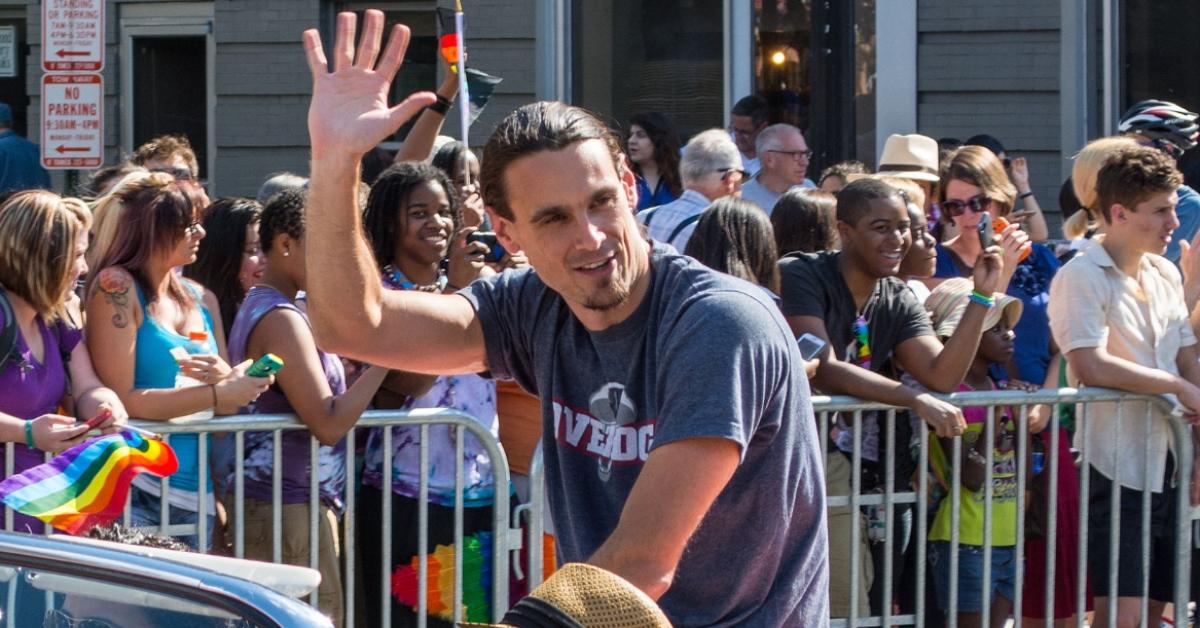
pixel 704 355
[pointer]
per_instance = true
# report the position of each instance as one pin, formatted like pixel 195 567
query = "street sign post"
pixel 72 35
pixel 72 121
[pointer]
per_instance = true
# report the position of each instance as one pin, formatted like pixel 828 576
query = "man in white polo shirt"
pixel 1117 311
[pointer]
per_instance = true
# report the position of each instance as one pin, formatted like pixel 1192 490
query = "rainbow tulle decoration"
pixel 439 590
pixel 88 484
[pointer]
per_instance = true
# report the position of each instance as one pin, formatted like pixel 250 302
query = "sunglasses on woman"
pixel 955 208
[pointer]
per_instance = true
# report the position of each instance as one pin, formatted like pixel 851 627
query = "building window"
pixel 632 56
pixel 814 63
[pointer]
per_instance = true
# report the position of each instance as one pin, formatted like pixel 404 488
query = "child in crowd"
pixel 946 306
pixel 312 385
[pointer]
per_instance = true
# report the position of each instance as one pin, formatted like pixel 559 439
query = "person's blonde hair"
pixel 1087 165
pixel 979 167
pixel 910 188
pixel 38 234
pixel 107 211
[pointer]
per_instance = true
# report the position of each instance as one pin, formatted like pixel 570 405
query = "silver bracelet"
pixel 976 457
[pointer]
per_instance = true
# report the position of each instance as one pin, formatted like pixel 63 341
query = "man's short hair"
pixel 771 137
pixel 1131 175
pixel 166 147
pixel 753 107
pixel 534 128
pixel 706 154
pixel 854 201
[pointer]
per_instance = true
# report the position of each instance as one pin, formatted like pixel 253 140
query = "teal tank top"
pixel 155 368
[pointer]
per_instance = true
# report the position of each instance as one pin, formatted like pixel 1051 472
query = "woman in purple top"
pixel 311 384
pixel 43 239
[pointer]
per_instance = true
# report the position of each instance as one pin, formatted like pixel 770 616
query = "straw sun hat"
pixel 583 596
pixel 948 301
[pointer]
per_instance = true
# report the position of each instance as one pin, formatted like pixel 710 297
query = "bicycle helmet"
pixel 1164 123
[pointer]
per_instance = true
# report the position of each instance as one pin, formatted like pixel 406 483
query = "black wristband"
pixel 442 105
pixel 1025 195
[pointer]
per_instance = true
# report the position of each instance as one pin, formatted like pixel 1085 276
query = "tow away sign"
pixel 72 121
pixel 72 35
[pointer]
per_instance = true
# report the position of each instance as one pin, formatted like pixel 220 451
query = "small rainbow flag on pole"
pixel 88 484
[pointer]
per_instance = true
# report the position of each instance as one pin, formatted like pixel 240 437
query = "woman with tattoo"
pixel 42 241
pixel 138 311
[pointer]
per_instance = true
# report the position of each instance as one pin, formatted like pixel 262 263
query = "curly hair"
pixel 666 143
pixel 843 169
pixel 389 197
pixel 1131 175
pixel 284 213
pixel 218 260
pixel 166 147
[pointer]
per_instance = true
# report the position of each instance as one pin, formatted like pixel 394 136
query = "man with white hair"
pixel 784 156
pixel 711 167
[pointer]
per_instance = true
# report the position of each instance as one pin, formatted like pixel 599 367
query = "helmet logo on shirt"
pixel 613 409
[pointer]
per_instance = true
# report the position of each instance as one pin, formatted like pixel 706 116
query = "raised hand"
pixel 349 113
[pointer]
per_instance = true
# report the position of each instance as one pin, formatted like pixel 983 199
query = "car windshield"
pixel 42 598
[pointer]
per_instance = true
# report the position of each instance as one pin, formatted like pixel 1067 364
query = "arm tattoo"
pixel 115 284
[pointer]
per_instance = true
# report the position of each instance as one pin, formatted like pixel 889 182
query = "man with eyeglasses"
pixel 1173 130
pixel 710 169
pixel 746 120
pixel 784 156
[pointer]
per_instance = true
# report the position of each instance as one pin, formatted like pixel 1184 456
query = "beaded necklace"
pixel 396 279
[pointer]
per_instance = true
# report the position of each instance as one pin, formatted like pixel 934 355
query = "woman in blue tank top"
pixel 139 310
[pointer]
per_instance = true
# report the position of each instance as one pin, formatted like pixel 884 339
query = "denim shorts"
pixel 145 513
pixel 970 575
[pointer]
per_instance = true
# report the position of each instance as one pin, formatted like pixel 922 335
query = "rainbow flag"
pixel 88 484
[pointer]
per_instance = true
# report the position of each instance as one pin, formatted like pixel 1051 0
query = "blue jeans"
pixel 970 575
pixel 145 513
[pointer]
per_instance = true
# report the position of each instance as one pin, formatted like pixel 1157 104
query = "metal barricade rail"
pixel 507 537
pixel 853 411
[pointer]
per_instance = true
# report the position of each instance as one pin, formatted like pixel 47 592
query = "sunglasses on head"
pixel 955 208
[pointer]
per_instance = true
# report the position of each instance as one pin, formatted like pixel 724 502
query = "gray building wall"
pixel 262 84
pixel 994 68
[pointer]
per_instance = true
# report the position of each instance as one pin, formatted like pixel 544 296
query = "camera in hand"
pixel 495 249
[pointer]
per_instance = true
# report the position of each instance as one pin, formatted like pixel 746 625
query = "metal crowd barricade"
pixel 235 429
pixel 853 413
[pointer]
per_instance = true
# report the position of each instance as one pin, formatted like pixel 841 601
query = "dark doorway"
pixel 170 94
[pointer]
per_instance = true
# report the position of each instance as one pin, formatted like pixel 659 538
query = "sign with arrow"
pixel 72 35
pixel 72 121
